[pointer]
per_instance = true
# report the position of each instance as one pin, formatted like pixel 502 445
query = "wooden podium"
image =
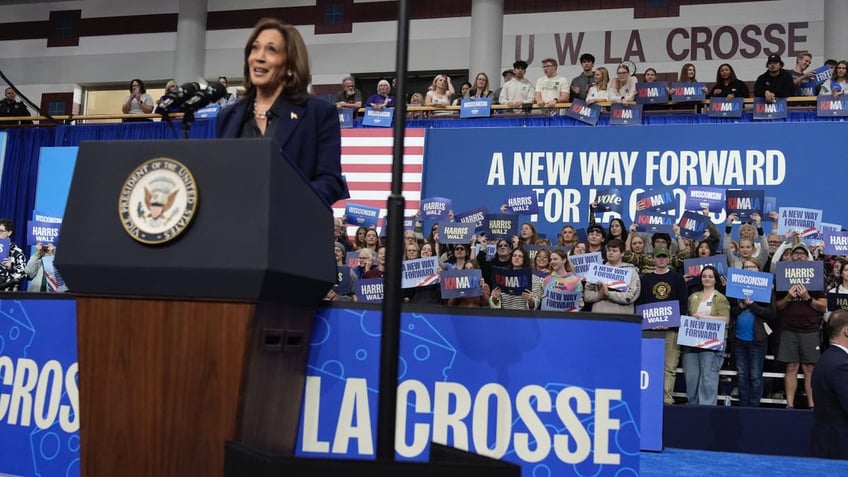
pixel 204 339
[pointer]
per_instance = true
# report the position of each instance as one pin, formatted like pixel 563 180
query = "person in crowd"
pixel 437 248
pixel 829 436
pixel 228 98
pixel 372 239
pixel 503 252
pixel 551 88
pixel 35 267
pixel 416 101
pixel 773 240
pixel 567 237
pixel 799 71
pixel 650 76
pixel 562 277
pixel 459 258
pixel 838 82
pixel 367 261
pixel 617 230
pixel 480 89
pixel 542 262
pixel 359 238
pixel 349 96
pixel 598 90
pixel 481 301
pixel 836 278
pixel 748 321
pixel 688 74
pixel 13 267
pixel 340 233
pixel 665 284
pixel 11 107
pixel 606 300
pixel 775 82
pixel 382 99
pixel 581 84
pixel 800 312
pixel 528 299
pixel 701 366
pixel 333 295
pixel 440 95
pixel 426 295
pixel 831 64
pixel 622 88
pixel 412 251
pixel 277 104
pixel 464 88
pixel 380 268
pixel 752 232
pixel 527 235
pixel 506 76
pixel 727 85
pixel 578 249
pixel 519 90
pixel 170 88
pixel 596 236
pixel 138 101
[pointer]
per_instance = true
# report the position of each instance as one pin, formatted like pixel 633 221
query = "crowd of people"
pixel 617 85
pixel 790 325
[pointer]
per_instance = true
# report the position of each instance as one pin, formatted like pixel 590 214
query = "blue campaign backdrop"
pixel 39 430
pixel 567 166
pixel 486 383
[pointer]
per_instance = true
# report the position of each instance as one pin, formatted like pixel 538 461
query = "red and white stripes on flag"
pixel 367 167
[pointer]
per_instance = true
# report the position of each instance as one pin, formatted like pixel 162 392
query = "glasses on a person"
pixel 459 249
pixel 622 72
pixel 774 242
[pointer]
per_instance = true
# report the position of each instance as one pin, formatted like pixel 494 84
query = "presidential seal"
pixel 158 201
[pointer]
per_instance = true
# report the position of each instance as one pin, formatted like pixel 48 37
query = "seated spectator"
pixel 381 100
pixel 13 267
pixel 528 299
pixel 622 88
pixel 598 91
pixel 228 98
pixel 775 82
pixel 463 93
pixel 727 85
pixel 581 83
pixel 480 88
pixel 138 101
pixel 349 96
pixel 650 76
pixel 837 83
pixel 440 94
pixel 701 366
pixel 35 267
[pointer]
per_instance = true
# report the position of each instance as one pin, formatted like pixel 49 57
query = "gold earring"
pixel 289 73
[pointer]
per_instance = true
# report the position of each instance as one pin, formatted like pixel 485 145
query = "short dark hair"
pixel 141 88
pixel 8 225
pixel 831 62
pixel 587 57
pixel 507 72
pixel 660 235
pixel 837 321
pixel 616 243
pixel 520 64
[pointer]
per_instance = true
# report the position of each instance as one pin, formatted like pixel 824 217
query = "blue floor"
pixel 677 462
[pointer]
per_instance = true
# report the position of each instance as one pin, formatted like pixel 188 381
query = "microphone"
pixel 213 92
pixel 177 97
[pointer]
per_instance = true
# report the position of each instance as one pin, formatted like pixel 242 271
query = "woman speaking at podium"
pixel 277 105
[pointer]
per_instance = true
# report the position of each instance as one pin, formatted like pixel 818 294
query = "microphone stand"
pixel 188 118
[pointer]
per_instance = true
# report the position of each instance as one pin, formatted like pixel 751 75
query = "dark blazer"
pixel 309 137
pixel 830 390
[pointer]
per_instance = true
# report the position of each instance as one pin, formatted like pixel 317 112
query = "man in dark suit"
pixel 830 388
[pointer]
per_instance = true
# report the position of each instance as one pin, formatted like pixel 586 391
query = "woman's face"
pixel 556 262
pixel 650 76
pixel 690 72
pixel 526 231
pixel 517 259
pixel 615 228
pixel 598 76
pixel 365 261
pixel 371 237
pixel 637 245
pixel 460 251
pixel 844 274
pixel 411 252
pixel 383 89
pixel 502 249
pixel 786 254
pixel 734 248
pixel 568 234
pixel 841 71
pixel 837 269
pixel 267 59
pixel 340 254
pixel 542 259
pixel 381 256
pixel 173 88
pixel 746 248
pixel 747 231
pixel 441 82
pixel 360 235
pixel 480 83
pixel 724 72
pixel 578 249
pixel 708 278
pixel 464 89
pixel 426 251
pixel 703 249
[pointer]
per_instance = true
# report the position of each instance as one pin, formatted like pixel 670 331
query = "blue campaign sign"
pixel 798 219
pixel 745 202
pixel 661 199
pixel 625 114
pixel 521 203
pixel 693 266
pixel 837 301
pixel 828 106
pixel 5 244
pixel 208 112
pixel 650 93
pixel 39 428
pixel 378 118
pixel 475 108
pixel 609 200
pixel 435 208
pixel 474 216
pixel 725 108
pixel 651 383
pixel 362 215
pixel 567 168
pixel 703 333
pixel 769 206
pixel 451 390
pixel 42 232
pixel 616 278
pixel 835 243
pixel 807 88
pixel 455 232
pixel 561 300
pixel 352 259
pixel 346 117
pixel 683 92
pixel 369 290
pixel 699 198
pixel 343 284
pixel 583 262
pixel 822 73
pixel 512 282
pixel 420 272
pixel 808 273
pixel 693 225
pixel 765 110
pixel 501 226
pixel 461 283
pixel 585 113
pixel 749 284
pixel 647 221
pixel 662 314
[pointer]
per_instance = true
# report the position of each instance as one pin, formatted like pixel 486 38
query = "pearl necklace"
pixel 260 114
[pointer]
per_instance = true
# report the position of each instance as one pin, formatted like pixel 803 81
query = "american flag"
pixel 367 168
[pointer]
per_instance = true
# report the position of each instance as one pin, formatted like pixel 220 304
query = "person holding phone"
pixel 138 101
pixel 35 267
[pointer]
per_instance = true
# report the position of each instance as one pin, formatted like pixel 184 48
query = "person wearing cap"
pixel 775 82
pixel 606 300
pixel 800 312
pixel 507 75
pixel 595 238
pixel 665 284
